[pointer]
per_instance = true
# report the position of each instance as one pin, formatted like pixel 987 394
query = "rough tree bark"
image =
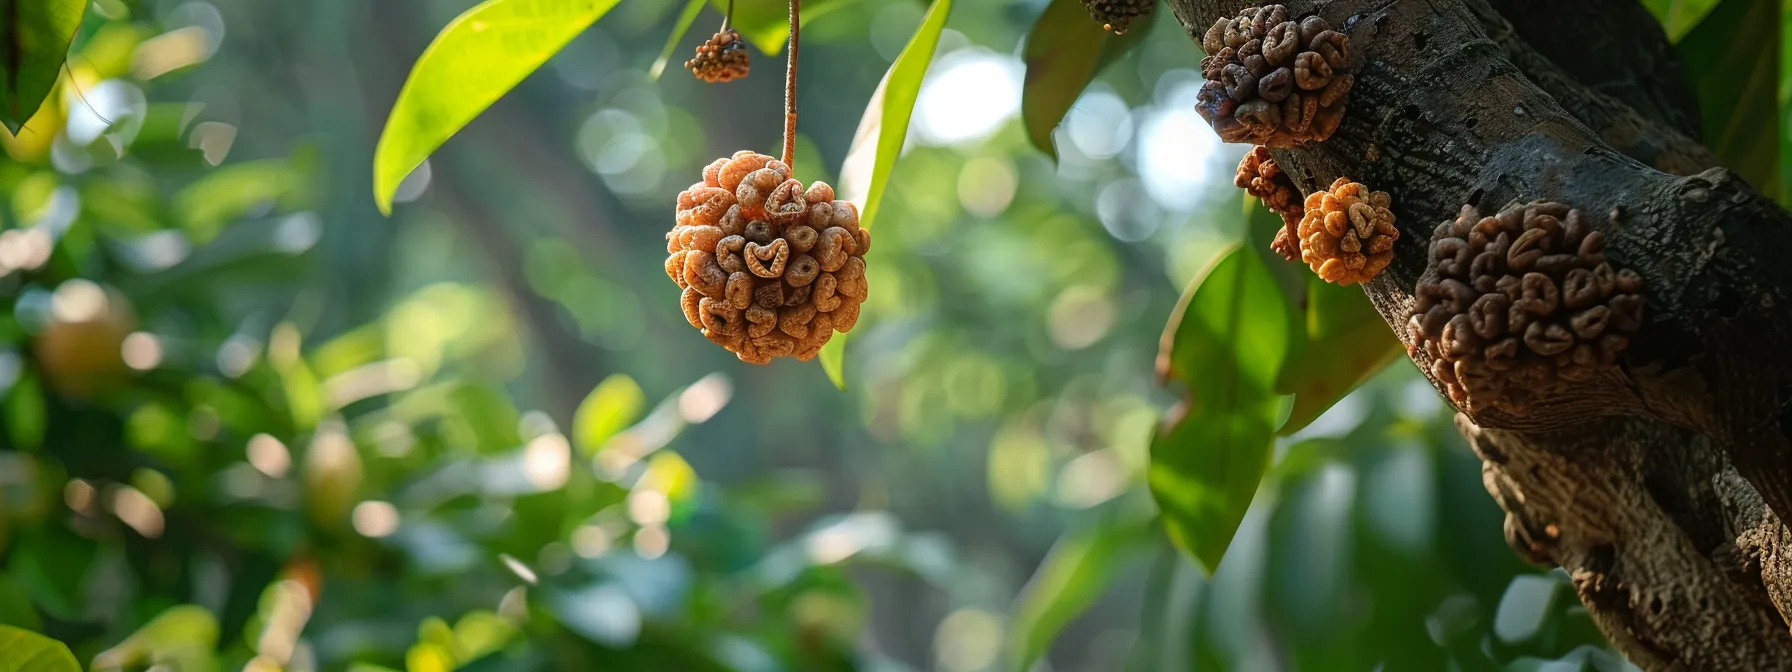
pixel 1659 487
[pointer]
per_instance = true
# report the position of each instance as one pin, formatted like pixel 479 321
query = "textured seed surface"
pixel 1347 232
pixel 1273 81
pixel 723 58
pixel 1544 307
pixel 768 268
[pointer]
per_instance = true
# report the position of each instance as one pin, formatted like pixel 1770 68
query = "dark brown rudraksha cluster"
pixel 1347 233
pixel 1520 305
pixel 1118 15
pixel 1272 81
pixel 721 59
pixel 769 269
pixel 1259 176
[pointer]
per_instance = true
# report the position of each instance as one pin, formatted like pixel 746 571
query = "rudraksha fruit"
pixel 1259 176
pixel 722 59
pixel 768 268
pixel 1272 81
pixel 1347 233
pixel 1118 15
pixel 1521 304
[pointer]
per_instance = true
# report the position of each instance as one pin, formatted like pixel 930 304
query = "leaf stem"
pixel 790 93
pixel 727 18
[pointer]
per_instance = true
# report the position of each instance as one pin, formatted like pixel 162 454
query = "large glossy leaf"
pixel 34 38
pixel 1065 50
pixel 476 59
pixel 1068 580
pixel 1735 68
pixel 26 651
pixel 878 142
pixel 1226 343
pixel 1346 343
pixel 1679 16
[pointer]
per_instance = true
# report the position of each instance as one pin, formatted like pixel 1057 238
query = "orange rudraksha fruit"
pixel 768 268
pixel 1347 233
pixel 1118 15
pixel 1259 176
pixel 1273 81
pixel 722 59
pixel 1521 304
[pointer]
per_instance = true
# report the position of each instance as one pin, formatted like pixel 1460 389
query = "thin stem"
pixel 790 94
pixel 727 18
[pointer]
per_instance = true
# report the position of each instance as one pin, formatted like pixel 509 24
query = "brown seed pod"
pixel 1118 15
pixel 1347 232
pixel 1520 305
pixel 1273 81
pixel 721 59
pixel 1259 176
pixel 768 267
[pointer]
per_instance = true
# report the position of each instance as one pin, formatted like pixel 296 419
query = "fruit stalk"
pixel 790 92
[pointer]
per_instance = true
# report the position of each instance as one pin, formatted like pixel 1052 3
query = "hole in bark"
pixel 1655 605
pixel 1785 418
pixel 1413 112
pixel 1419 40
pixel 1728 305
pixel 1667 495
pixel 1470 122
pixel 1474 198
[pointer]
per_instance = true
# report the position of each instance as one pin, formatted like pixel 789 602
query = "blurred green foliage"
pixel 248 423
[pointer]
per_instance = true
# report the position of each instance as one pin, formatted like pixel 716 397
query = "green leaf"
pixel 878 142
pixel 34 39
pixel 1070 578
pixel 230 192
pixel 490 416
pixel 1736 71
pixel 182 637
pixel 611 407
pixel 52 564
pixel 833 361
pixel 477 58
pixel 1678 17
pixel 1227 342
pixel 26 651
pixel 1346 343
pixel 27 416
pixel 1065 50
pixel 685 19
pixel 15 606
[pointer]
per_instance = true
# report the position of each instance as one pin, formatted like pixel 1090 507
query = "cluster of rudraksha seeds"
pixel 769 269
pixel 1347 232
pixel 1259 176
pixel 1118 15
pixel 721 59
pixel 1521 304
pixel 1272 81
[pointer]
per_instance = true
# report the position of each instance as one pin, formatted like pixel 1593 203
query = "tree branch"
pixel 1651 134
pixel 1637 527
pixel 1441 117
pixel 1614 47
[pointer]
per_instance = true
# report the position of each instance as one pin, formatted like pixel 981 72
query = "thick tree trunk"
pixel 1657 486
